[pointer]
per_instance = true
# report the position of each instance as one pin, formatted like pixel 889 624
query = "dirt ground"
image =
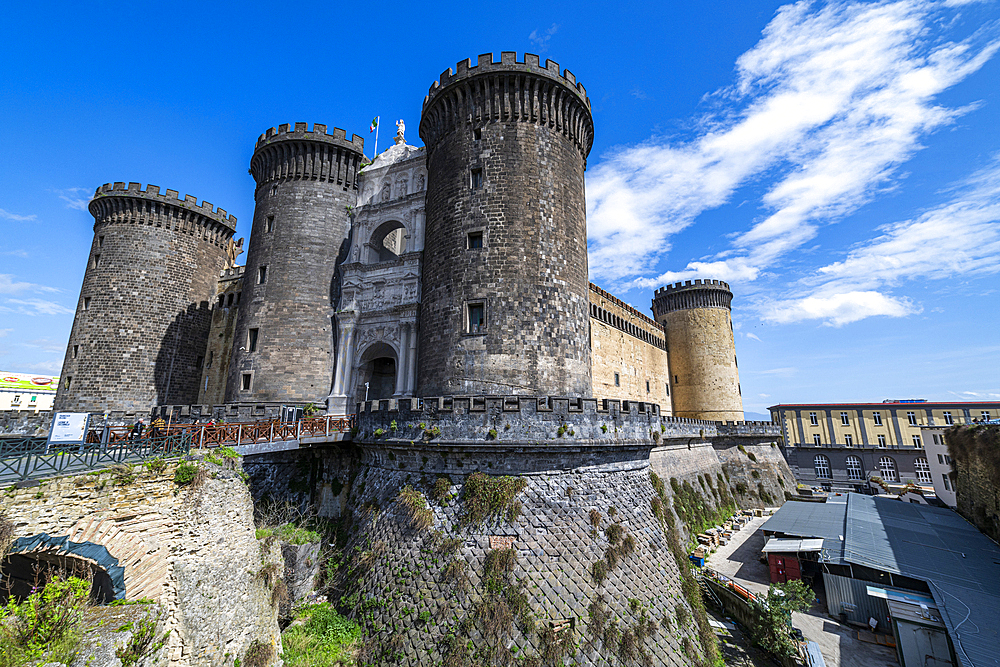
pixel 839 644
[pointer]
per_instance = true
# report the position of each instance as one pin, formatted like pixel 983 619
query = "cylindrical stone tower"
pixel 700 349
pixel 504 306
pixel 144 313
pixel 284 345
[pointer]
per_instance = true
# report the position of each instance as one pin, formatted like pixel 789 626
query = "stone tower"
pixel 144 311
pixel 700 348
pixel 504 305
pixel 284 344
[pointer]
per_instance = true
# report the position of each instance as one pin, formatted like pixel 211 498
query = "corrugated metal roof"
pixel 779 545
pixel 821 520
pixel 936 545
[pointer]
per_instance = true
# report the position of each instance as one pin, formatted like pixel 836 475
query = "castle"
pixel 458 268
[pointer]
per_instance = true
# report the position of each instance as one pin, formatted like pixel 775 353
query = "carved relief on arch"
pixel 386 192
pixel 421 182
pixel 377 333
pixel 401 187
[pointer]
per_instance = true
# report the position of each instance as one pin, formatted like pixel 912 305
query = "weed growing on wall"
pixel 185 473
pixel 326 638
pixel 415 508
pixel 143 643
pixel 46 626
pixel 258 654
pixel 490 498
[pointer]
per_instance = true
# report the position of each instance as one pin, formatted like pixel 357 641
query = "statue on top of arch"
pixel 400 129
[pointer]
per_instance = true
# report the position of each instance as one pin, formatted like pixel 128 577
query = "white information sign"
pixel 69 428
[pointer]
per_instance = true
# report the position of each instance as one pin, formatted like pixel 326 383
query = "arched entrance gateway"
pixel 377 366
pixel 33 561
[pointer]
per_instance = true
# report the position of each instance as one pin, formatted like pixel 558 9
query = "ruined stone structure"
pixel 212 389
pixel 285 337
pixel 698 320
pixel 144 312
pixel 504 307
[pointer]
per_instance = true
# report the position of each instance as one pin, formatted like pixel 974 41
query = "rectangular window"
pixel 261 275
pixel 100 241
pixel 477 318
pixel 245 382
pixel 947 459
pixel 69 383
pixel 477 134
pixel 877 418
pixel 230 299
pixel 238 295
pixel 34 398
pixel 912 418
pixel 848 440
pixel 252 336
pixel 647 386
pixel 667 386
pixel 86 303
pixel 916 442
pixel 477 179
pixel 881 441
pixel 17 398
pixel 475 240
pixel 844 419
pixel 76 351
pixel 97 261
pixel 948 419
pixel 222 301
pixel 617 380
pixel 813 419
pixel 985 414
pixel 201 362
pixel 947 486
pixel 940 459
pixel 816 439
pixel 269 225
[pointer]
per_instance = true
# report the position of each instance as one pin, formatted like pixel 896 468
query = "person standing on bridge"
pixel 136 431
pixel 156 428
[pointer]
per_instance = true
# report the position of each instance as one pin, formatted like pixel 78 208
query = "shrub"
pixel 614 533
pixel 142 643
pixel 155 466
pixel 439 492
pixel 185 473
pixel 595 518
pixel 755 474
pixel 45 627
pixel 457 572
pixel 487 497
pixel 598 572
pixel 492 434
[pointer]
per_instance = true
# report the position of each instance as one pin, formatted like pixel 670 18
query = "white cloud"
pixel 34 307
pixel 15 253
pixel 47 345
pixel 785 372
pixel 540 39
pixel 9 286
pixel 4 332
pixel 13 216
pixel 839 309
pixel 961 237
pixel 76 198
pixel 830 102
pixel 753 336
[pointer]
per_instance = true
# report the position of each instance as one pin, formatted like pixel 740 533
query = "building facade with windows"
pixel 866 447
pixel 20 391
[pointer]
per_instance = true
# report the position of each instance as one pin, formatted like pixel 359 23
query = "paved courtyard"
pixel 839 644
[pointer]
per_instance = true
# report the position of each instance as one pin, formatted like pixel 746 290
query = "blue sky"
pixel 838 163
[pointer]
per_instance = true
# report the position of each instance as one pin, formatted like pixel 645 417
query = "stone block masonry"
pixel 191 550
pixel 507 144
pixel 284 342
pixel 138 338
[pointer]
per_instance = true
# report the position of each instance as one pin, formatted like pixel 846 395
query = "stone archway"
pixel 387 242
pixel 377 366
pixel 33 561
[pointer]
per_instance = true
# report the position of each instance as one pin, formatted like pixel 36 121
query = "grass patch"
pixel 415 508
pixel 290 534
pixel 487 497
pixel 324 640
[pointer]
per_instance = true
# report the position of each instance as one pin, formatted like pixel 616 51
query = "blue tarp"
pixel 93 552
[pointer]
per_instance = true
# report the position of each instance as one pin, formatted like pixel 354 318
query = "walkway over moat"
pixel 24 459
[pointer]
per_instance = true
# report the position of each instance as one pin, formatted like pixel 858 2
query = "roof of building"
pixel 960 565
pixel 789 545
pixel 887 404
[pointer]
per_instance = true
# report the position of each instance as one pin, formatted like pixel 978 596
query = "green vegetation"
pixel 290 534
pixel 772 622
pixel 185 473
pixel 45 627
pixel 155 466
pixel 122 474
pixel 415 508
pixel 441 488
pixel 692 509
pixel 490 498
pixel 324 640
pixel 143 642
pixel 259 654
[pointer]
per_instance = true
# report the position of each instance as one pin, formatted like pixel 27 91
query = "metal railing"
pixel 237 433
pixel 23 459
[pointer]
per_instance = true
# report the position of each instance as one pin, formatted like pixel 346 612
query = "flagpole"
pixel 378 121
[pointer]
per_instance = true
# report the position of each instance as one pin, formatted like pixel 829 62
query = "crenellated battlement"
pixel 170 197
pixel 234 273
pixel 508 90
pixel 508 63
pixel 301 131
pixel 692 294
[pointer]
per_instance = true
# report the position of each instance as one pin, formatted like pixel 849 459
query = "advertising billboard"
pixel 28 383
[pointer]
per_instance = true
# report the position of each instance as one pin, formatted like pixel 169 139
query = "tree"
pixel 773 619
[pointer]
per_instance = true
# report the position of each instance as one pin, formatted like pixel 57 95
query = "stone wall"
pixel 975 451
pixel 306 185
pixel 761 481
pixel 513 173
pixel 215 370
pixel 25 422
pixel 628 352
pixel 191 549
pixel 144 310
